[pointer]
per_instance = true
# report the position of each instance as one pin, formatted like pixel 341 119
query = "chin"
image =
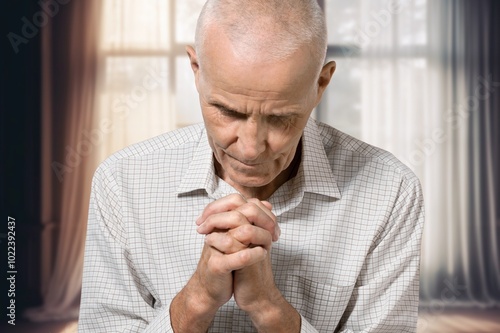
pixel 250 181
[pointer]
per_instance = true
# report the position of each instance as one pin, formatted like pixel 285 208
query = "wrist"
pixel 191 311
pixel 275 315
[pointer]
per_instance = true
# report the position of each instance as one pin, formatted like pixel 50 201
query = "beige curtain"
pixel 69 143
pixel 108 82
pixel 427 96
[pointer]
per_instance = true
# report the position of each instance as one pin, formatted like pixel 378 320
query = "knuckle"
pixel 245 257
pixel 253 200
pixel 250 211
pixel 215 266
pixel 208 239
pixel 209 220
pixel 246 230
pixel 237 198
pixel 209 207
pixel 251 203
pixel 244 233
pixel 253 207
pixel 239 217
pixel 227 243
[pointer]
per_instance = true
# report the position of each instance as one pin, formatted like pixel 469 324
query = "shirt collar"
pixel 314 175
pixel 200 174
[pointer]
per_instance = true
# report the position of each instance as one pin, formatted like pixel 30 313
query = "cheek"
pixel 218 131
pixel 221 136
pixel 284 142
pixel 291 150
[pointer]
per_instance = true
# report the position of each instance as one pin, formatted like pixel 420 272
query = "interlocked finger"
pixel 225 204
pixel 223 242
pixel 237 260
pixel 222 221
pixel 239 238
pixel 258 214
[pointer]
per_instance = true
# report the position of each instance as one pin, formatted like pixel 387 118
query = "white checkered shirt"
pixel 347 258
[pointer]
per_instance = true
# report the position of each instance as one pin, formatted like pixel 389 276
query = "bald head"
pixel 264 30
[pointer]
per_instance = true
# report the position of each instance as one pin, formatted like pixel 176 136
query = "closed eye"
pixel 280 120
pixel 230 113
pixel 276 119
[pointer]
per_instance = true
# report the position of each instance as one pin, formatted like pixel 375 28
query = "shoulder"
pixel 347 152
pixel 176 144
pixel 372 175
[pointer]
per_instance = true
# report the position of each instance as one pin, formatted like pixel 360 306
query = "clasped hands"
pixel 235 260
pixel 236 256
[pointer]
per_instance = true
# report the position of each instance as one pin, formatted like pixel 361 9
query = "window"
pixel 146 85
pixel 379 46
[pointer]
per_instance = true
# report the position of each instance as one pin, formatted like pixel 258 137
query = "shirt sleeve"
pixel 385 298
pixel 113 298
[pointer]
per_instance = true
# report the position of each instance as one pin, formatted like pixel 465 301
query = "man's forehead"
pixel 237 94
pixel 223 65
pixel 246 105
pixel 263 45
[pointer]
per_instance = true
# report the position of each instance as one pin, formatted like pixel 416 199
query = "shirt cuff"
pixel 161 322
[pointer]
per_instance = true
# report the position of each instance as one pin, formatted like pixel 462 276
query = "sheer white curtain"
pixel 146 85
pixel 461 265
pixel 411 78
pixel 135 98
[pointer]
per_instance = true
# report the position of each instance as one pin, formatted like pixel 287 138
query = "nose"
pixel 252 139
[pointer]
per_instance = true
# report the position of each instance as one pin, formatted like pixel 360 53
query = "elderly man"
pixel 261 219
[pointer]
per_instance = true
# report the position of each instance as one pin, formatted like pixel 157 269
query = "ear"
pixel 193 59
pixel 324 78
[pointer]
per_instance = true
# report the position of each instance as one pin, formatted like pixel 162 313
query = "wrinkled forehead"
pixel 223 62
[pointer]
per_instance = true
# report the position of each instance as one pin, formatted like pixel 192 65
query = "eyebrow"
pixel 220 105
pixel 225 107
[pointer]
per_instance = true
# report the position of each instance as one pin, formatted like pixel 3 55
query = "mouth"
pixel 248 164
